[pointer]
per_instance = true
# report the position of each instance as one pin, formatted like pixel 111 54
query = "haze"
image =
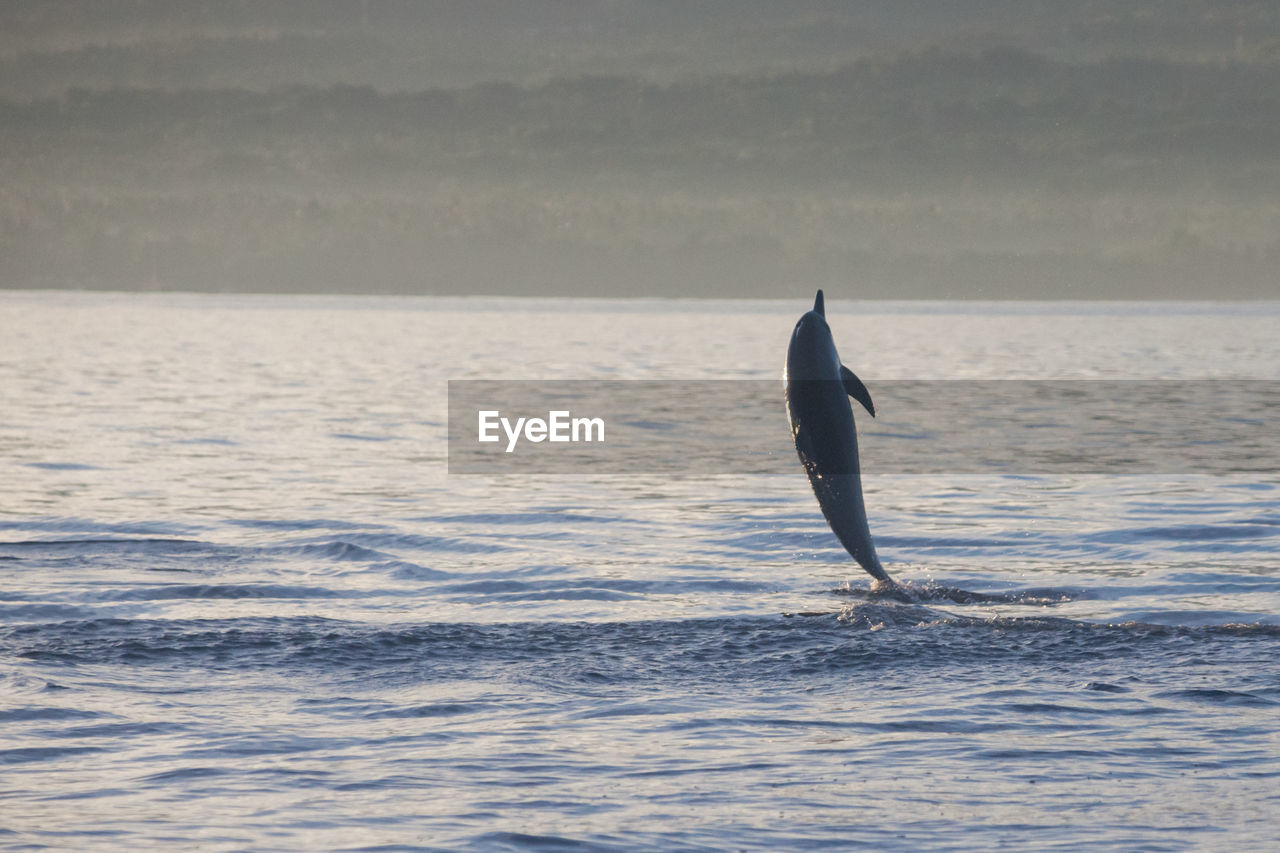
pixel 989 149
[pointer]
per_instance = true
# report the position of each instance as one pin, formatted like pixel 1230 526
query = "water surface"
pixel 243 605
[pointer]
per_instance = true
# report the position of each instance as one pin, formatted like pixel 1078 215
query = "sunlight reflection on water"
pixel 242 605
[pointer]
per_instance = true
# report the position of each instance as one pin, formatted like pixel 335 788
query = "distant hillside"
pixel 411 45
pixel 1024 161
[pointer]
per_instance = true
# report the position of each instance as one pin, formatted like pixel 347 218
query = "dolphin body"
pixel 817 388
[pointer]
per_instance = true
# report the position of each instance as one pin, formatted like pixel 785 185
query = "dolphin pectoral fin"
pixel 818 305
pixel 856 389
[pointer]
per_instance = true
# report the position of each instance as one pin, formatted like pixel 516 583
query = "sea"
pixel 246 603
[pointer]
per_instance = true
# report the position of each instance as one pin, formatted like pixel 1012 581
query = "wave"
pixel 1219 697
pixel 112 544
pixel 864 635
pixel 921 592
pixel 349 549
pixel 225 591
pixel 29 754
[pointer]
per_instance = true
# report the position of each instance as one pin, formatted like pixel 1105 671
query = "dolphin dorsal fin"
pixel 854 386
pixel 817 304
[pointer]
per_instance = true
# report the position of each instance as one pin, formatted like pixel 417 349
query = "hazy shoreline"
pixel 997 154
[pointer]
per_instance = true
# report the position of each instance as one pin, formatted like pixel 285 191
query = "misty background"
pixel 989 149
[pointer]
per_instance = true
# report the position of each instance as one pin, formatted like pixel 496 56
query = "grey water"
pixel 245 606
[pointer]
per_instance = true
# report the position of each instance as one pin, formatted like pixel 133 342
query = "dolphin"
pixel 817 388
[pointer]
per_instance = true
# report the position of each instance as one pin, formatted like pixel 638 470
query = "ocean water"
pixel 244 605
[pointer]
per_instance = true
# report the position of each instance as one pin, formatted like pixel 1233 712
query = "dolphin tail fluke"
pixel 817 304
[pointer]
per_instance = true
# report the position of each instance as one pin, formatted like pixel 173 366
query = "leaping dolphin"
pixel 817 385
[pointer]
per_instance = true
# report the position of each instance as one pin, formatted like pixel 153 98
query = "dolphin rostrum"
pixel 817 387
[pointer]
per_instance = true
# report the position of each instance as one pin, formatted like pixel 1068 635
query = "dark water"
pixel 243 607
